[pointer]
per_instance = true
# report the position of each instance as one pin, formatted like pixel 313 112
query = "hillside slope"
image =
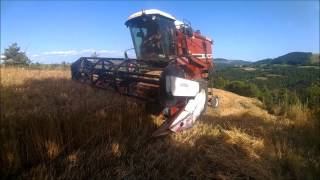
pixel 227 62
pixel 293 58
pixel 233 104
pixel 54 127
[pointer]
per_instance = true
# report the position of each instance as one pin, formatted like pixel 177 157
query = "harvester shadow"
pixel 63 129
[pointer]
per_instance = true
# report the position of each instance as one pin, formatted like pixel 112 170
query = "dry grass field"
pixel 54 128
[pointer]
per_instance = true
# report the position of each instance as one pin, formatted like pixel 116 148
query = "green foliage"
pixel 14 56
pixel 313 95
pixel 243 88
pixel 277 86
pixel 220 82
pixel 63 65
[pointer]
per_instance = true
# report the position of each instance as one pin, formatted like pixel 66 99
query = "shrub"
pixel 244 89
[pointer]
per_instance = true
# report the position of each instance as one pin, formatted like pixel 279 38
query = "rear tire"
pixel 215 102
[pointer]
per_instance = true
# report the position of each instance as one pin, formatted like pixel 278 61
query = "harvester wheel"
pixel 215 102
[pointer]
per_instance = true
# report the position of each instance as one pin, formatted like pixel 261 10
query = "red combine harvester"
pixel 171 68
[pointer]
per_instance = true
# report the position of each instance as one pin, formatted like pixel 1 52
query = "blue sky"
pixel 58 31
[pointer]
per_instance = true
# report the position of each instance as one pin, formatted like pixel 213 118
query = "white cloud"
pixel 87 51
pixel 63 53
pixel 35 55
pixel 81 52
pixel 108 51
pixel 72 55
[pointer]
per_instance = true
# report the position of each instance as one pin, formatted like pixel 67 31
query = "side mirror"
pixel 126 54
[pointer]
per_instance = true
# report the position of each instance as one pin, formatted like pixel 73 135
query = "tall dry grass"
pixel 52 127
pixel 44 114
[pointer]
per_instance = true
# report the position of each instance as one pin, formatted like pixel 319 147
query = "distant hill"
pixel 293 58
pixel 227 62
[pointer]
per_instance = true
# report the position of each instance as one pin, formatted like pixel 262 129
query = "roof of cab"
pixel 151 11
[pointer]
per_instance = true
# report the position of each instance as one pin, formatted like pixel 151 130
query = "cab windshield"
pixel 153 37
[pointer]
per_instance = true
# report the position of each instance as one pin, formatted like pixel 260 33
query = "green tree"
pixel 13 55
pixel 220 82
pixel 313 95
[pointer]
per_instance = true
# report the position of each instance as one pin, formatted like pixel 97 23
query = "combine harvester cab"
pixel 171 68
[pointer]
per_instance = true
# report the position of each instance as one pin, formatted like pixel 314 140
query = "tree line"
pixel 14 56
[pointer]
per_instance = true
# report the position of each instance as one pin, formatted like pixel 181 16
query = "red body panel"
pixel 198 49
